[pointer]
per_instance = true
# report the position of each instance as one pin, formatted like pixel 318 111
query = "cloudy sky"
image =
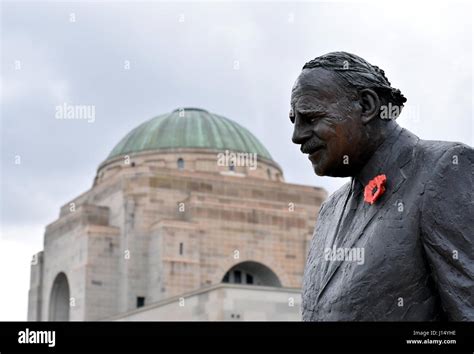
pixel 237 59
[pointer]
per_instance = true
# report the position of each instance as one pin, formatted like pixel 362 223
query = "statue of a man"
pixel 396 242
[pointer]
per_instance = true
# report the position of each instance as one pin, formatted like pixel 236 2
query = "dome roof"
pixel 189 128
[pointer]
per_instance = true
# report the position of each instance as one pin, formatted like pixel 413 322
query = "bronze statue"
pixel 396 242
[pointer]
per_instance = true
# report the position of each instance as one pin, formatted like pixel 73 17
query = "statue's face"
pixel 327 123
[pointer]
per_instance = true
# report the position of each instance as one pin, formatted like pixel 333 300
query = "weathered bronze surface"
pixel 409 256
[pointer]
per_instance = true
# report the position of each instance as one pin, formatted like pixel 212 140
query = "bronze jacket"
pixel 416 240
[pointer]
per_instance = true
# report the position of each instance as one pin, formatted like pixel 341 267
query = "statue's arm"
pixel 447 230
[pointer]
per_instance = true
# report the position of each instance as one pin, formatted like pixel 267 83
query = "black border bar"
pixel 262 337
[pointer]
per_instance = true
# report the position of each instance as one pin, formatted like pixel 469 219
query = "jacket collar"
pixel 380 162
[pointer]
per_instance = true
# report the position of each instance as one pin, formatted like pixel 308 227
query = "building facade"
pixel 189 218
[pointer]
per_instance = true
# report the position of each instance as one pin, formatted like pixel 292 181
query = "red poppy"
pixel 375 189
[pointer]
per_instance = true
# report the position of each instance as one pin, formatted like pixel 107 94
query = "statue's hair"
pixel 358 73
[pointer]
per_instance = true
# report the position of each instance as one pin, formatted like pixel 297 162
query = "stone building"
pixel 188 218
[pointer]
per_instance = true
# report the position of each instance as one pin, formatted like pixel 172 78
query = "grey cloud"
pixel 191 63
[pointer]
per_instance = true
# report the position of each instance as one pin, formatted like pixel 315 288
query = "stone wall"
pixel 224 302
pixel 156 232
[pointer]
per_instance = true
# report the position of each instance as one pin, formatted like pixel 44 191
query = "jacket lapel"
pixel 395 179
pixel 329 241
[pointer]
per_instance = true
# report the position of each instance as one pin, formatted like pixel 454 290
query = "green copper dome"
pixel 190 128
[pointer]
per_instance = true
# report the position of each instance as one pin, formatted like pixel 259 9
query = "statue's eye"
pixel 312 118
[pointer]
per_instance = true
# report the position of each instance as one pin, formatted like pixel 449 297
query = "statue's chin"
pixel 319 171
pixel 327 172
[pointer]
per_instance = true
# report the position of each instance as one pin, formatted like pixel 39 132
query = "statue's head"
pixel 342 108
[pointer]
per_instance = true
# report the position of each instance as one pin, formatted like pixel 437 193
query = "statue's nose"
pixel 300 135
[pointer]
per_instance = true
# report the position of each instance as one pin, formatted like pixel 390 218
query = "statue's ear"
pixel 370 103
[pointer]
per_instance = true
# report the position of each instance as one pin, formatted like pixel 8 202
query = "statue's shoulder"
pixel 441 165
pixel 432 151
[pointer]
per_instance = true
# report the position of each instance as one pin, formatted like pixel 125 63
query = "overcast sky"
pixel 236 59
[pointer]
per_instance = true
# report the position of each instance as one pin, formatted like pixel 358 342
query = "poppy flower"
pixel 374 189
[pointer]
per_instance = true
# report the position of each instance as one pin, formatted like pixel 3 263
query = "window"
pixel 181 246
pixel 180 164
pixel 226 278
pixel 140 301
pixel 237 276
pixel 251 273
pixel 269 173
